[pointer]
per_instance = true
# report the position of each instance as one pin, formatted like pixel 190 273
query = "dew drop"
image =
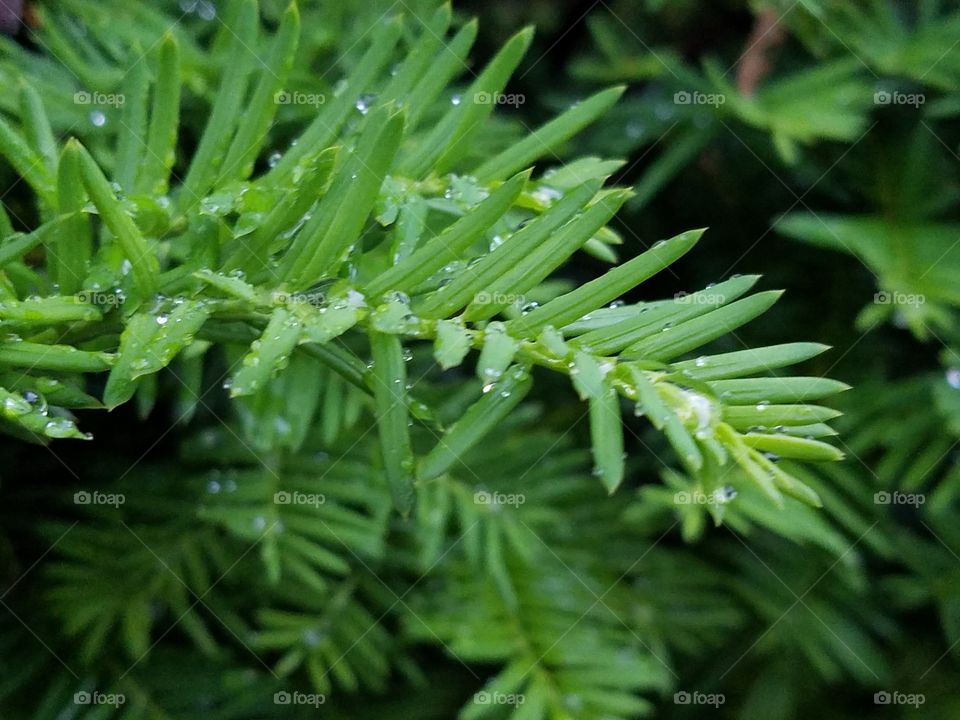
pixel 727 493
pixel 14 405
pixel 59 428
pixel 953 378
pixel 364 103
pixel 206 10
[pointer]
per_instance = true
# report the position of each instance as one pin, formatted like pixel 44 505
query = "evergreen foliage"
pixel 346 299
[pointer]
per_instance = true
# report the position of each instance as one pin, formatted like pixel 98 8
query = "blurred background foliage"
pixel 830 165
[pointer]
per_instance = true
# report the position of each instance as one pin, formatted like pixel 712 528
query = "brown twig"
pixel 754 63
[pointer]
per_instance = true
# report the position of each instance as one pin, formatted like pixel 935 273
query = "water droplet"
pixel 663 111
pixel 206 10
pixel 274 159
pixel 763 405
pixel 365 102
pixel 700 362
pixel 547 195
pixel 98 118
pixel 281 426
pixel 59 428
pixel 14 405
pixel 726 493
pixel 163 319
pixel 456 99
pixel 953 377
pixel 634 129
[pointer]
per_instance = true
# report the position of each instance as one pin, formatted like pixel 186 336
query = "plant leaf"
pixel 496 403
pixel 328 237
pixel 255 123
pixel 164 116
pixel 547 139
pixel 389 381
pixel 144 265
pixel 267 354
pixel 148 344
pixel 446 247
pixel 577 303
